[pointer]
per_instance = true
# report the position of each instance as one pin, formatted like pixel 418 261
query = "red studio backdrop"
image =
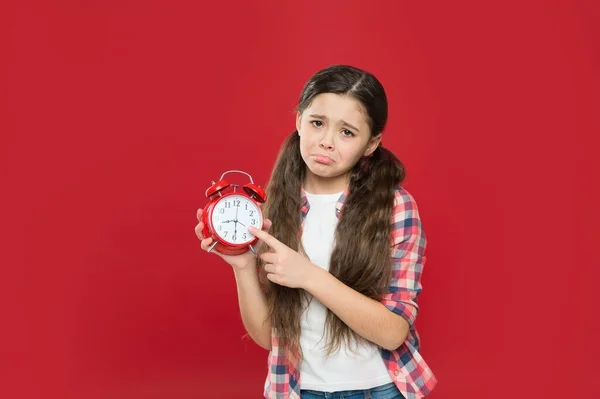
pixel 117 115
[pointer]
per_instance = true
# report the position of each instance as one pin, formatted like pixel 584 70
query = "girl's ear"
pixel 372 146
pixel 298 122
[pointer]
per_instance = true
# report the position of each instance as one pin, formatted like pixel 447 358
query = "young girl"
pixel 341 254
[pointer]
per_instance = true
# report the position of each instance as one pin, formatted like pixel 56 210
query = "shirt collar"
pixel 338 205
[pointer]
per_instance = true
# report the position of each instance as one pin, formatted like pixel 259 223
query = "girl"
pixel 341 254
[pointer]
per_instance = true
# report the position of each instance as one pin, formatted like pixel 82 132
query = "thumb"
pixel 267 224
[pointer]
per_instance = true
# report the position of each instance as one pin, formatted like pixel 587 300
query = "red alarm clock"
pixel 226 217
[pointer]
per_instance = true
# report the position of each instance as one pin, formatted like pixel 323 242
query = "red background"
pixel 117 115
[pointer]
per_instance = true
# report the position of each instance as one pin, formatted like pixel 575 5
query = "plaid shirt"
pixel 406 366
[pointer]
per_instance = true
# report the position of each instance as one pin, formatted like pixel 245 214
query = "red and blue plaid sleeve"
pixel 408 257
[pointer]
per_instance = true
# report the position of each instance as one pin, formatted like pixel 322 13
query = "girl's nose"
pixel 326 142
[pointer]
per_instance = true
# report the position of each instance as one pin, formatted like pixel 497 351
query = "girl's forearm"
pixel 253 306
pixel 367 317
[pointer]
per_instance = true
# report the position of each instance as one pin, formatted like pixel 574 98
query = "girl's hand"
pixel 283 265
pixel 239 262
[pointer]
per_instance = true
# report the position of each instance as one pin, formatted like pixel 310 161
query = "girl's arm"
pixel 252 302
pixel 367 317
pixel 253 306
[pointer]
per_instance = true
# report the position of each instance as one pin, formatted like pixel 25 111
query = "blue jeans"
pixel 387 391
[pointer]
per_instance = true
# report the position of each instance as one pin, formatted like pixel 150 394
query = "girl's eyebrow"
pixel 343 121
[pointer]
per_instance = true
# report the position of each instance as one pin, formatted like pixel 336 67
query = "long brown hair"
pixel 361 256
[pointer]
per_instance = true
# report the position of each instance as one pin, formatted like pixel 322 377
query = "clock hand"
pixel 237 209
pixel 237 221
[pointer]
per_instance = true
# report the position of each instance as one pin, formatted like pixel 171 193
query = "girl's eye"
pixel 347 133
pixel 317 123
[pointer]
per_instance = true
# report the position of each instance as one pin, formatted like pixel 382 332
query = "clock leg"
pixel 252 249
pixel 212 246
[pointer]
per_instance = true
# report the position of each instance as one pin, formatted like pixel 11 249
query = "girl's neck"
pixel 325 185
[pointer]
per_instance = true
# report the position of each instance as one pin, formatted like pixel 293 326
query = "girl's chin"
pixel 325 172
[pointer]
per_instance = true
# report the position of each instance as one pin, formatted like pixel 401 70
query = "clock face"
pixel 232 216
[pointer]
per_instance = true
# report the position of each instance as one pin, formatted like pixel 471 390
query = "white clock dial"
pixel 232 216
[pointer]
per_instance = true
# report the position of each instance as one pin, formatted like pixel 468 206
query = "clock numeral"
pixel 247 207
pixel 234 238
pixel 244 236
pixel 220 227
pixel 222 211
pixel 227 204
pixel 253 221
pixel 251 212
pixel 225 234
pixel 236 203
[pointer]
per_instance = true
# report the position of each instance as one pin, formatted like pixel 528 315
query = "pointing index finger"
pixel 266 237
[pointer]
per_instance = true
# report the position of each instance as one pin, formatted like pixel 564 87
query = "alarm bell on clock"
pixel 226 217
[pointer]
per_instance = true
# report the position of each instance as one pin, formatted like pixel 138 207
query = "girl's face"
pixel 334 135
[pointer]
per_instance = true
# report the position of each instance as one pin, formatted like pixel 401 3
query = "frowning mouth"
pixel 323 159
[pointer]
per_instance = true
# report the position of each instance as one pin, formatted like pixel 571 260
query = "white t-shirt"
pixel 343 370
